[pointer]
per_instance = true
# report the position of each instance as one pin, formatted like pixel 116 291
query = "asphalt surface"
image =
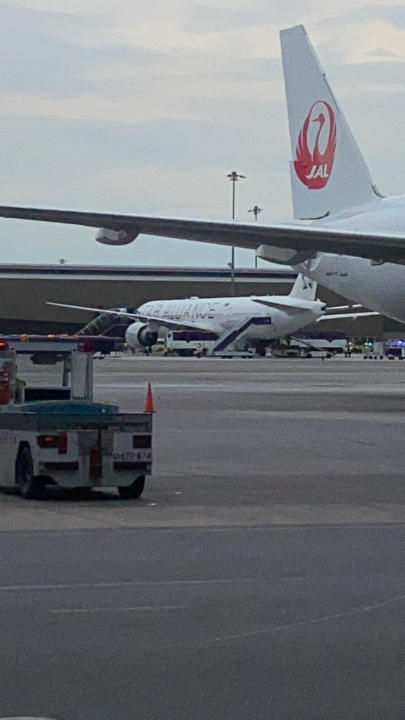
pixel 261 575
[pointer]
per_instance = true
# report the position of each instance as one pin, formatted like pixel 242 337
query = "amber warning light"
pixel 59 441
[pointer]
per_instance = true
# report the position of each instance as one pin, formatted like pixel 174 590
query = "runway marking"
pixel 356 442
pixel 270 387
pixel 125 583
pixel 256 527
pixel 133 608
pixel 312 621
pixel 176 386
pixel 394 417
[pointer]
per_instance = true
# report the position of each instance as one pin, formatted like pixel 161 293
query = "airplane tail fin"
pixel 303 288
pixel 328 172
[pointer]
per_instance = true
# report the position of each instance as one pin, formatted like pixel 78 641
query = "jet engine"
pixel 115 237
pixel 285 256
pixel 140 335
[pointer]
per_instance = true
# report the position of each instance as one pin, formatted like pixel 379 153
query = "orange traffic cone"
pixel 149 404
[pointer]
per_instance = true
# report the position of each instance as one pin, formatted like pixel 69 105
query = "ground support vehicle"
pixel 309 344
pixel 374 350
pixel 299 350
pixel 53 433
pixel 248 353
pixel 395 348
pixel 189 342
pixel 290 351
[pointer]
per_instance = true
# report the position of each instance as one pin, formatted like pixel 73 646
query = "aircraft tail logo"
pixel 314 166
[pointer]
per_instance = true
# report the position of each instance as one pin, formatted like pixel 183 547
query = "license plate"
pixel 133 456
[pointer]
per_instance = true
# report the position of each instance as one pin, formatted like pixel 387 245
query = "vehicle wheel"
pixel 29 486
pixel 134 491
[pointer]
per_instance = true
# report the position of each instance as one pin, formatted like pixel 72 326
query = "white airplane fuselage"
pixel 221 315
pixel 380 286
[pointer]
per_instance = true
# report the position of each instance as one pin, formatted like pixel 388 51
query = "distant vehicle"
pixel 330 342
pixel 308 344
pixel 190 342
pixel 395 348
pixel 374 349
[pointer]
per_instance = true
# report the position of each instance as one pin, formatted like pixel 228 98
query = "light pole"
pixel 256 210
pixel 233 177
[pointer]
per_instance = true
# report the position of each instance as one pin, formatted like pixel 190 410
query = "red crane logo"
pixel 314 166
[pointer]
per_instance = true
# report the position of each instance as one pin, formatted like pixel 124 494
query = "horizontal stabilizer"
pixel 344 307
pixel 287 304
pixel 345 316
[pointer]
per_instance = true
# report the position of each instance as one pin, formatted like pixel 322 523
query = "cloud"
pixel 383 53
pixel 39 166
pixel 380 76
pixel 216 18
pixel 391 14
pixel 45 53
pixel 258 68
pixel 181 143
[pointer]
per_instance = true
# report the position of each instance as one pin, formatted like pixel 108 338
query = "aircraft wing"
pixel 307 239
pixel 288 305
pixel 173 324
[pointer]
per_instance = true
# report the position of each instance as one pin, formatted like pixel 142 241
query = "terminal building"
pixel 26 289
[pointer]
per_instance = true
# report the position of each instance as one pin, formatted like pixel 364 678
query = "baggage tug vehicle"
pixel 53 433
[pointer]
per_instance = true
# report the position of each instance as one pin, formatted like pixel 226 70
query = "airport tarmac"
pixel 262 573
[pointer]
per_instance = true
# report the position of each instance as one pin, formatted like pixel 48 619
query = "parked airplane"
pixel 236 322
pixel 356 242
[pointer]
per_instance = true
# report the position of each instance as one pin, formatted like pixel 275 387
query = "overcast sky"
pixel 144 106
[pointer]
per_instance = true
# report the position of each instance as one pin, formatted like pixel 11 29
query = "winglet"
pixel 304 288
